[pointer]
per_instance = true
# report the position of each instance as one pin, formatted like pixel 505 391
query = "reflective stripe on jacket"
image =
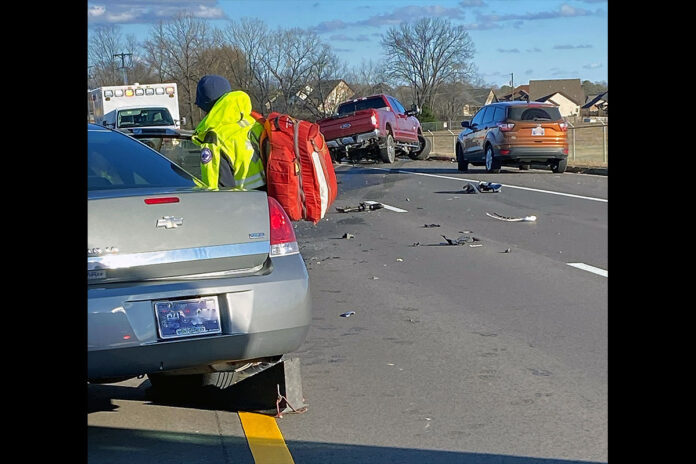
pixel 225 137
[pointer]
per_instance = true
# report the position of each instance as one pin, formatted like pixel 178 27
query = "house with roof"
pixel 476 98
pixel 567 93
pixel 325 96
pixel 566 105
pixel 521 93
pixel 596 105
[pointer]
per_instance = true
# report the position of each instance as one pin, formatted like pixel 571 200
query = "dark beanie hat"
pixel 209 89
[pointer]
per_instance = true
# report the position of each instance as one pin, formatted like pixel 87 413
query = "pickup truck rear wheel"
pixel 388 153
pixel 424 151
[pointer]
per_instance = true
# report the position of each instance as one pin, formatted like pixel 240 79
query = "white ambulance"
pixel 126 107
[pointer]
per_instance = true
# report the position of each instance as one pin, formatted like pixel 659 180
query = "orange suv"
pixel 514 134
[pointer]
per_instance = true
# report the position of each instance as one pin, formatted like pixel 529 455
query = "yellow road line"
pixel 265 440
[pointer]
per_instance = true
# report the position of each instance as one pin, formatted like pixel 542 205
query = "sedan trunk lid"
pixel 182 233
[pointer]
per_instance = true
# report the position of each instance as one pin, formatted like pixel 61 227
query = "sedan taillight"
pixel 283 241
pixel 505 127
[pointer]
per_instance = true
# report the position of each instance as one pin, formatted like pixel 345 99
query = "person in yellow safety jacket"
pixel 228 137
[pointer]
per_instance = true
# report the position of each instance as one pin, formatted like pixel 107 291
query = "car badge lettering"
pixel 170 222
pixel 92 252
pixel 257 235
pixel 345 126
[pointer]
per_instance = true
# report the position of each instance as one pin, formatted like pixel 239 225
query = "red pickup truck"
pixel 374 127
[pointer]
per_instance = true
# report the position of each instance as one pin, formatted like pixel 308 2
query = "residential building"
pixel 325 96
pixel 476 98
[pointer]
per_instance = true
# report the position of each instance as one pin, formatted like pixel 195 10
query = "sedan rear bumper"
pixel 260 316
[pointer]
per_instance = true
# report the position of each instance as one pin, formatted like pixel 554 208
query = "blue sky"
pixel 532 39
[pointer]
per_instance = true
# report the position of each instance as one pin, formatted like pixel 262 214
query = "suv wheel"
pixel 492 165
pixel 560 166
pixel 462 164
pixel 388 153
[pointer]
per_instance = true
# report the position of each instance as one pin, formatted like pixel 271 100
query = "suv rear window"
pixel 351 107
pixel 534 113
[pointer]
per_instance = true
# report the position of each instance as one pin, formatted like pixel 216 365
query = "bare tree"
pixel 428 53
pixel 104 42
pixel 250 36
pixel 369 78
pixel 178 48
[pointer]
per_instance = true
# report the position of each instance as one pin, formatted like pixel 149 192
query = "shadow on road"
pixel 130 446
pixel 127 446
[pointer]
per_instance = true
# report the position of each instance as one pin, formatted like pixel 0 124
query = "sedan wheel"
pixel 491 164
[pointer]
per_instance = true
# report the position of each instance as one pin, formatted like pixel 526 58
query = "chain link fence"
pixel 588 140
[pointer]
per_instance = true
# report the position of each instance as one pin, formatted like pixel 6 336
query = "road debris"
pixel 363 206
pixel 415 244
pixel 469 188
pixel 375 278
pixel 399 259
pixel 512 219
pixel 348 314
pixel 507 250
pixel 475 246
pixel 489 187
pixel 430 225
pixel 461 240
pixel 348 236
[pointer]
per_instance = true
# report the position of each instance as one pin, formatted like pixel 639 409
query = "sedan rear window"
pixel 116 161
pixel 351 107
pixel 534 113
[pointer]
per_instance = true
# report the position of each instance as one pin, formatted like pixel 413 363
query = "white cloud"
pixel 96 11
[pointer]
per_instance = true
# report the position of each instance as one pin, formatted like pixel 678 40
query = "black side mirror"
pixel 466 124
pixel 413 111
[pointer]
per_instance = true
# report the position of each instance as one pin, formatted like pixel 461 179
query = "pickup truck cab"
pixel 374 127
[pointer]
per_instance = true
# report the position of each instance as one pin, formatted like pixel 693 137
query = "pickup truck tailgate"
pixel 345 126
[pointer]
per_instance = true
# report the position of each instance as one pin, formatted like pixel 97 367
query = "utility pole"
pixel 512 84
pixel 123 64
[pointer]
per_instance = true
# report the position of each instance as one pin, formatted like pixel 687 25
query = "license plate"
pixel 538 131
pixel 187 318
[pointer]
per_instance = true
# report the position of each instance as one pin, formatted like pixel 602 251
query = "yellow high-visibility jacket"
pixel 228 157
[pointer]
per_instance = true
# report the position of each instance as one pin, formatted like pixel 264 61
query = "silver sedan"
pixel 184 282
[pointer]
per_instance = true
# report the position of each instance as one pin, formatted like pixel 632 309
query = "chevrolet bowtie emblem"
pixel 170 222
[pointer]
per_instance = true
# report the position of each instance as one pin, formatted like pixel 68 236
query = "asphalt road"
pixel 454 354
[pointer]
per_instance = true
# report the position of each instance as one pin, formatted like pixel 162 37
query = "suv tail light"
pixel 505 127
pixel 283 241
pixel 563 126
pixel 373 120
